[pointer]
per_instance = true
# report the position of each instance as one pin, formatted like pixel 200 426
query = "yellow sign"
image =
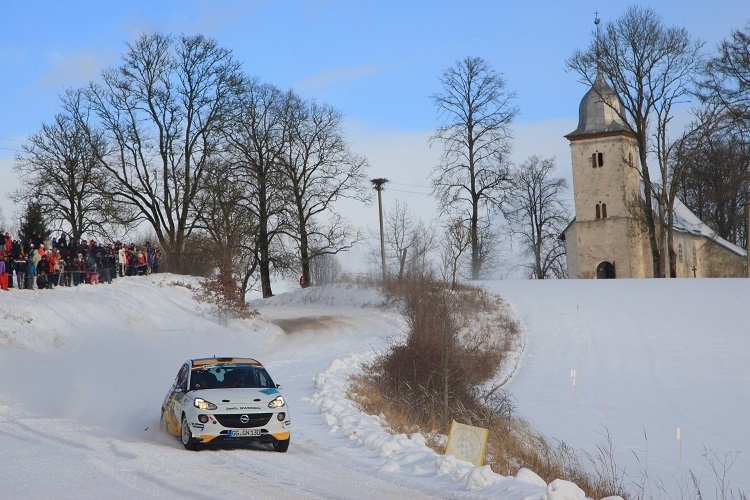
pixel 466 442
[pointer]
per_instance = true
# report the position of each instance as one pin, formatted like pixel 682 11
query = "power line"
pixel 411 192
pixel 10 139
pixel 410 185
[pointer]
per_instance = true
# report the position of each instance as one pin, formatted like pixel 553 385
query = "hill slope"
pixel 84 371
pixel 650 356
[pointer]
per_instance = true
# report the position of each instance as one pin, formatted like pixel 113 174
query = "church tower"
pixel 605 240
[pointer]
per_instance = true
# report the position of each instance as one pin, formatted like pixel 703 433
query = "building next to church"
pixel 607 237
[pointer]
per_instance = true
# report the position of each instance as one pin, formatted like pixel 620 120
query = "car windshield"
pixel 230 376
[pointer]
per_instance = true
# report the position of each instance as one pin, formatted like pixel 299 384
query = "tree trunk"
pixel 476 265
pixel 649 212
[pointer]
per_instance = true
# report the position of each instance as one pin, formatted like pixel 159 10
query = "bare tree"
pixel 256 138
pixel 679 154
pixel 651 67
pixel 453 246
pixel 319 169
pixel 715 180
pixel 61 172
pixel 409 242
pixel 477 112
pixel 727 80
pixel 160 110
pixel 535 213
pixel 230 224
pixel 727 84
pixel 324 269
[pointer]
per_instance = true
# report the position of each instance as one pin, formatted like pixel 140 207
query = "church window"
pixel 597 159
pixel 630 159
pixel 679 253
pixel 598 211
pixel 604 210
pixel 695 257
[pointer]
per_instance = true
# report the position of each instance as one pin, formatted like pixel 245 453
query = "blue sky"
pixel 377 62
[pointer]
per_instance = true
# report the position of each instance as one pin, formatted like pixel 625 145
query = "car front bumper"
pixel 227 427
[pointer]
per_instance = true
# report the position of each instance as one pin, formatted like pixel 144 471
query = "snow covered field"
pixel 84 370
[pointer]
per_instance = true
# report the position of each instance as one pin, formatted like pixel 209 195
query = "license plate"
pixel 244 432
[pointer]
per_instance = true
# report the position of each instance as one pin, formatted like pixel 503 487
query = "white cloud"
pixel 10 183
pixel 336 75
pixel 72 68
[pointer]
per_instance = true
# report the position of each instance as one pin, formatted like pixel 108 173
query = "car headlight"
pixel 202 404
pixel 277 403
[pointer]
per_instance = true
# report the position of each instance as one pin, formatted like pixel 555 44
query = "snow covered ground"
pixel 83 372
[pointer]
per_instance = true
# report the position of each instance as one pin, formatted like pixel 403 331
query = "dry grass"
pixel 457 341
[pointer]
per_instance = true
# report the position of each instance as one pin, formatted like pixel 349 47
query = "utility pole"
pixel 378 183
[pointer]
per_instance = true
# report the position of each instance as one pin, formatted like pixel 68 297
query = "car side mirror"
pixel 278 386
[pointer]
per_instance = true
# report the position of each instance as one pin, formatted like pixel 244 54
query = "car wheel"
pixel 187 437
pixel 281 445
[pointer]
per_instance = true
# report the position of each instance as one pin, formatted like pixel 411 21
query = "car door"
pixel 175 398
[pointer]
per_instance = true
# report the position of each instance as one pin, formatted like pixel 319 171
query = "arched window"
pixel 597 159
pixel 695 257
pixel 604 210
pixel 598 211
pixel 630 159
pixel 679 253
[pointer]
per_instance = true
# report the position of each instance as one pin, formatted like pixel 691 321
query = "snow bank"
pixel 410 456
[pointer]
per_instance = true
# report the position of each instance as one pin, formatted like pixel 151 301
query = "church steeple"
pixel 600 111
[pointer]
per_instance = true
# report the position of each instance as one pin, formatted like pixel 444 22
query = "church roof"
pixel 686 221
pixel 600 111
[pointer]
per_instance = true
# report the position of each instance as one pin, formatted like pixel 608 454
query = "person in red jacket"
pixel 3 271
pixel 53 274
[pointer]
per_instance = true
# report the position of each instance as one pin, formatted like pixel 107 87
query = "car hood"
pixel 238 399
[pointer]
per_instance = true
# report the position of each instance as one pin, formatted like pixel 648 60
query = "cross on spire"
pixel 597 22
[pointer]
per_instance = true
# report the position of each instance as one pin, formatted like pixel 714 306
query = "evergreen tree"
pixel 33 225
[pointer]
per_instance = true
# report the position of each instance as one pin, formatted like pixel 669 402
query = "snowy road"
pixel 84 370
pixel 82 389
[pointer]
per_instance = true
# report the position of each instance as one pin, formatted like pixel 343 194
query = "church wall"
pixel 710 259
pixel 604 241
pixel 605 196
pixel 640 250
pixel 571 251
pixel 611 183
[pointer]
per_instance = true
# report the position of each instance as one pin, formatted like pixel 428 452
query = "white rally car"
pixel 226 399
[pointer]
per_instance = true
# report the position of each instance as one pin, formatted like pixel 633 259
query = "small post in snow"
pixel 573 376
pixel 679 438
pixel 606 409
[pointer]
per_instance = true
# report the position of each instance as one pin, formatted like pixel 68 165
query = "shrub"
pixel 455 343
pixel 224 297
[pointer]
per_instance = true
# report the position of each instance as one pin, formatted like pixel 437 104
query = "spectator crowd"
pixel 62 262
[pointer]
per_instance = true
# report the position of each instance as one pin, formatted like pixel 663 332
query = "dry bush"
pixel 444 357
pixel 456 342
pixel 224 298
